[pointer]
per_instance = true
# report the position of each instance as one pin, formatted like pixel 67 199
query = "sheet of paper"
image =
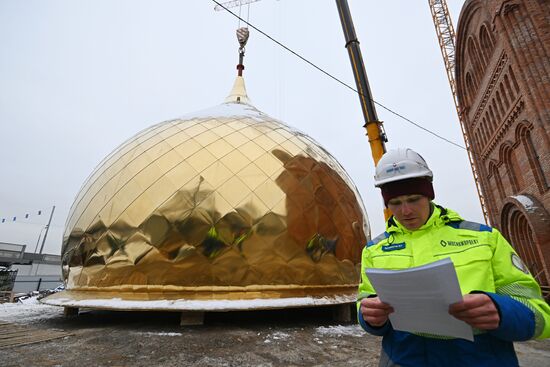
pixel 421 297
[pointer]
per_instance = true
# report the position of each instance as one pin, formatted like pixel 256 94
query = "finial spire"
pixel 238 92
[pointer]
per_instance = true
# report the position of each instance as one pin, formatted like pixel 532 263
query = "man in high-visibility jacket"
pixel 502 302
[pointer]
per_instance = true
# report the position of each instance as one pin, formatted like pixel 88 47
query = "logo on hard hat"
pixel 395 168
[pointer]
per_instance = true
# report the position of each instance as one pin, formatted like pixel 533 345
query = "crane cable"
pixel 337 79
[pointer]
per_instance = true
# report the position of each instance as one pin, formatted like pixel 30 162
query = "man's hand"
pixel 477 310
pixel 374 311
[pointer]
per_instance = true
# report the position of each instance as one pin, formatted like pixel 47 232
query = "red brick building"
pixel 503 86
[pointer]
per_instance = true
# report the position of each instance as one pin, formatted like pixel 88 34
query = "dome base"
pixel 176 301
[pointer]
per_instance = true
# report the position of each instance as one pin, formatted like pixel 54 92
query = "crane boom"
pixel 446 37
pixel 375 130
pixel 372 124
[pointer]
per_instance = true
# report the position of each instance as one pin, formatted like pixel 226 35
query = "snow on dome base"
pixel 212 305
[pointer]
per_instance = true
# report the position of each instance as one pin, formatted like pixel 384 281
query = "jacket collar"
pixel 440 216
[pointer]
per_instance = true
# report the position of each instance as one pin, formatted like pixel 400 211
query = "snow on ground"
pixel 31 310
pixel 276 336
pixel 27 311
pixel 320 333
pixel 160 334
pixel 341 330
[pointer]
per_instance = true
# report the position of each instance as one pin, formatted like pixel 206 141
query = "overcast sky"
pixel 78 78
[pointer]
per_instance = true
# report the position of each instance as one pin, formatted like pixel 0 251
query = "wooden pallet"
pixel 12 335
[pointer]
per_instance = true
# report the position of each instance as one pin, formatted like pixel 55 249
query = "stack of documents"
pixel 421 297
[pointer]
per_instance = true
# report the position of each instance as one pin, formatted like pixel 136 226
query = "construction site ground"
pixel 293 337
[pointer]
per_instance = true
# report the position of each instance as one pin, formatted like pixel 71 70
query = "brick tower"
pixel 503 87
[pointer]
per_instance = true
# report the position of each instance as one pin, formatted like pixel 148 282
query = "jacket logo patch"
pixel 458 243
pixel 394 246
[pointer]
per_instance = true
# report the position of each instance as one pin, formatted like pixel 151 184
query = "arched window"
pixel 486 43
pixel 523 134
pixel 495 177
pixel 475 58
pixel 470 89
pixel 522 238
pixel 486 38
pixel 518 225
pixel 512 170
pixel 517 170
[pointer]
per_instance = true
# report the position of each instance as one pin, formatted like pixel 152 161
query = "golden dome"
pixel 224 204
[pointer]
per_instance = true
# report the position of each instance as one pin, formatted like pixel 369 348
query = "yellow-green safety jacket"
pixel 484 262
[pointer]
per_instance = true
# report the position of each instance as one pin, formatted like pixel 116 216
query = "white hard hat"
pixel 400 164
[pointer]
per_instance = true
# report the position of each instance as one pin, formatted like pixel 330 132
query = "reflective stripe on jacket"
pixel 484 262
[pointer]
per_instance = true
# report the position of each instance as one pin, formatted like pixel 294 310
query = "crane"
pixel 446 37
pixel 375 131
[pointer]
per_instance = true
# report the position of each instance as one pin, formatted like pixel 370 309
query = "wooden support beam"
pixel 70 311
pixel 189 318
pixel 344 313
